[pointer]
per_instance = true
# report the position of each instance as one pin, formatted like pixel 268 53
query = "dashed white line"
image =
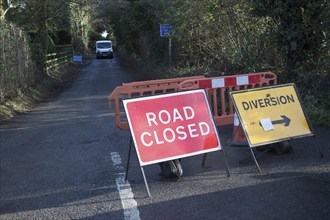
pixel 126 195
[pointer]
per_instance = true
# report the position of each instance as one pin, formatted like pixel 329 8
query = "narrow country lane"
pixel 66 159
pixel 55 160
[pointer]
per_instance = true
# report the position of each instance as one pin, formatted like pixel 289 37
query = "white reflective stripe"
pixel 127 198
pixel 242 80
pixel 126 195
pixel 236 121
pixel 218 83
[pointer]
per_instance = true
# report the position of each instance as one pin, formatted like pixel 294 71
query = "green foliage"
pixel 93 37
pixel 30 30
pixel 16 66
pixel 81 13
pixel 78 45
pixel 214 37
pixel 301 33
pixel 298 28
pixel 214 34
pixel 136 25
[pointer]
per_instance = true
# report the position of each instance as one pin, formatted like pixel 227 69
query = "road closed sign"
pixel 271 114
pixel 171 126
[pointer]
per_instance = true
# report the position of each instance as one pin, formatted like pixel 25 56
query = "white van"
pixel 104 49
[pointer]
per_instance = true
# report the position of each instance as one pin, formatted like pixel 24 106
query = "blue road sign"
pixel 165 30
pixel 77 58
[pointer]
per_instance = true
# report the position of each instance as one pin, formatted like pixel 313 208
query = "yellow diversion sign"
pixel 271 114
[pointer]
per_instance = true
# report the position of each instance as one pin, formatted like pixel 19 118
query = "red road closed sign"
pixel 170 126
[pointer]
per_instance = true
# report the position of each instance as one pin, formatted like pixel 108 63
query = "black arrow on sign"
pixel 284 120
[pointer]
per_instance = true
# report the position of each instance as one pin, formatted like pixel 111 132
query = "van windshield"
pixel 104 45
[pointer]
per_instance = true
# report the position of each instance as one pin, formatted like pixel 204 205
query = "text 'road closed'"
pixel 171 126
pixel 169 134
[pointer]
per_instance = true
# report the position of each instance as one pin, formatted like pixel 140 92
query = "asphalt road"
pixel 66 160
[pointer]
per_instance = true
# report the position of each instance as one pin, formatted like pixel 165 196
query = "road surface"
pixel 66 159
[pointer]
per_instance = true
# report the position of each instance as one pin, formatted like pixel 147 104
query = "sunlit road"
pixel 66 159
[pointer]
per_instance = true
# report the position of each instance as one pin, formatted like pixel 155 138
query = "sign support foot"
pixel 255 160
pixel 145 182
pixel 204 160
pixel 129 157
pixel 227 167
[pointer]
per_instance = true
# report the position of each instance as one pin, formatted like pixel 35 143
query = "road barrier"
pixel 218 89
pixel 143 88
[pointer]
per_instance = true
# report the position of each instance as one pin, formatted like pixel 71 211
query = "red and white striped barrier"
pixel 229 81
pixel 218 88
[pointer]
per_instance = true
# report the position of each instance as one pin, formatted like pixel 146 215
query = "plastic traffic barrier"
pixel 218 89
pixel 143 88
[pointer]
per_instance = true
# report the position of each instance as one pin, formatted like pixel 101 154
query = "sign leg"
pixel 255 160
pixel 204 159
pixel 256 155
pixel 320 151
pixel 227 167
pixel 129 157
pixel 170 52
pixel 145 181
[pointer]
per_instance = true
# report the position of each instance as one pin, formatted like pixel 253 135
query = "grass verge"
pixel 50 87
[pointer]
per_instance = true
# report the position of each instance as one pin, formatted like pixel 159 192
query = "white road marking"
pixel 131 211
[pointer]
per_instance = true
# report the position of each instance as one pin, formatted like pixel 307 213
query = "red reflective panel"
pixel 254 79
pixel 205 83
pixel 230 81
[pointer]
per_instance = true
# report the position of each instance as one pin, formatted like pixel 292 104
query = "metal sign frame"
pixel 187 154
pixel 232 94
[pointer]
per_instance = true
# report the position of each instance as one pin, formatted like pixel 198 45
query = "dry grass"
pixel 25 100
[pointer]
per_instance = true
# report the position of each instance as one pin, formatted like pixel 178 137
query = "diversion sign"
pixel 171 126
pixel 271 114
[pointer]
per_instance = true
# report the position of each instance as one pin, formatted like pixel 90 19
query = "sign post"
pixel 165 31
pixel 171 126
